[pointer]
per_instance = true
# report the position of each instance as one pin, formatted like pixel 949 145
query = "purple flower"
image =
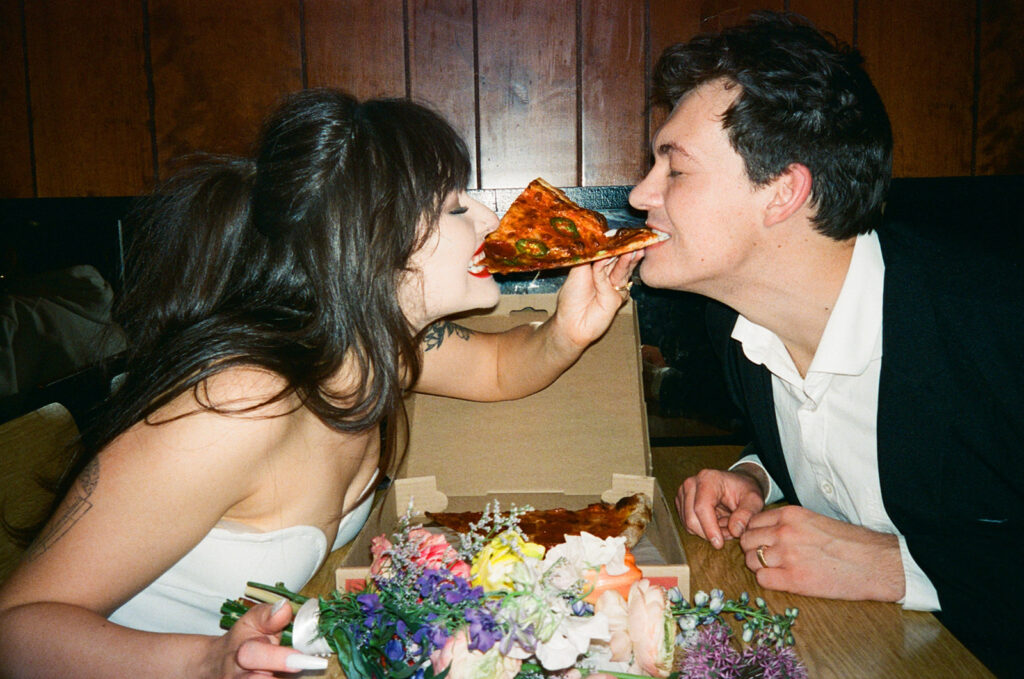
pixel 774 663
pixel 518 635
pixel 427 583
pixel 581 608
pixel 437 635
pixel 394 650
pixel 711 656
pixel 370 603
pixel 483 631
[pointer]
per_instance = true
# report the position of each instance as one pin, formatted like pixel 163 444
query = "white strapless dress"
pixel 188 596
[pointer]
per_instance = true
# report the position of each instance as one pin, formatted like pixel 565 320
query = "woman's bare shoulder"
pixel 240 391
pixel 238 415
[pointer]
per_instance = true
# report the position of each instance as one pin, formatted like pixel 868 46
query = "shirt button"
pixel 827 488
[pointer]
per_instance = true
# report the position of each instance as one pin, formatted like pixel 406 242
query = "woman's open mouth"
pixel 475 267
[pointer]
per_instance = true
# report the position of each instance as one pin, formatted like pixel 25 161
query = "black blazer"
pixel 950 426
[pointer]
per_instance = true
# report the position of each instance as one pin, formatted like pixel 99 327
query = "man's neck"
pixel 794 294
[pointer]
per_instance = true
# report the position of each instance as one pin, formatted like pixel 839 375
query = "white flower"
pixel 586 551
pixel 559 637
pixel 570 640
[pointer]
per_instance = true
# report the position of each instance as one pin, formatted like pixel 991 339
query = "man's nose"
pixel 643 196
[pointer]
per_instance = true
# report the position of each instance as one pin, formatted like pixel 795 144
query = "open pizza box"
pixel 581 440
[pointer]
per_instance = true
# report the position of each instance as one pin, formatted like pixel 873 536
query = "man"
pixel 881 372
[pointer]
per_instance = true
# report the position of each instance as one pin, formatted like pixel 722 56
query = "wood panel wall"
pixel 101 103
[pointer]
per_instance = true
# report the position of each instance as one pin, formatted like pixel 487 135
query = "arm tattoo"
pixel 78 505
pixel 438 332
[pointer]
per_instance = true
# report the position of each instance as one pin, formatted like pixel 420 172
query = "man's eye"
pixel 460 210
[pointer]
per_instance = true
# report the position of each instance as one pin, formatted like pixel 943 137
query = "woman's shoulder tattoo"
pixel 437 333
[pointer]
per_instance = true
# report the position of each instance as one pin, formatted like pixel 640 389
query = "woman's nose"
pixel 487 222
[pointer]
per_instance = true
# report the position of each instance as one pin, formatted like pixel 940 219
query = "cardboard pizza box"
pixel 581 440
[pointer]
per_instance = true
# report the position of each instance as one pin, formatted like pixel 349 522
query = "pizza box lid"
pixel 568 439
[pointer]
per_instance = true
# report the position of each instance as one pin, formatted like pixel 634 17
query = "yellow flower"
pixel 492 567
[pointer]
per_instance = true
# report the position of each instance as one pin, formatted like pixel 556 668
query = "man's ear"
pixel 790 191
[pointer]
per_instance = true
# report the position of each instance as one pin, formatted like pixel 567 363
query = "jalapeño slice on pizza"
pixel 545 229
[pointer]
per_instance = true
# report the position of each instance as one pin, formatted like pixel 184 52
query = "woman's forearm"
pixel 60 640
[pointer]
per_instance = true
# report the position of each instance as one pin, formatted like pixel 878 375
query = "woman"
pixel 274 309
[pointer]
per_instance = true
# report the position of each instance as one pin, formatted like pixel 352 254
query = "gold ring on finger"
pixel 760 555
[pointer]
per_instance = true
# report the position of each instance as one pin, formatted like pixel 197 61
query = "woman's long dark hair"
pixel 289 262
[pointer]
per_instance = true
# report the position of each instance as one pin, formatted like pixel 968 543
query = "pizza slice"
pixel 626 518
pixel 545 229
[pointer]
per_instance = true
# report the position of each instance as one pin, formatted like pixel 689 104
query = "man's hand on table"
pixel 814 555
pixel 806 553
pixel 717 505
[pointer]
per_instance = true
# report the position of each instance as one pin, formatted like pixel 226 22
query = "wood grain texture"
pixel 614 148
pixel 1000 143
pixel 441 64
pixel 16 168
pixel 357 46
pixel 834 16
pixel 218 69
pixel 671 21
pixel 527 62
pixel 920 55
pixel 88 88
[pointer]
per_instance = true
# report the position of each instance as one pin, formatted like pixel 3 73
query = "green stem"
pixel 232 610
pixel 279 590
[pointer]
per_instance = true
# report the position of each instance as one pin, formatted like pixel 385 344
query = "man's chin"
pixel 651 274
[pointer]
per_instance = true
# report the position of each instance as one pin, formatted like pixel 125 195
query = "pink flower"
pixel 650 629
pixel 614 608
pixel 463 663
pixel 381 561
pixel 432 551
pixel 435 552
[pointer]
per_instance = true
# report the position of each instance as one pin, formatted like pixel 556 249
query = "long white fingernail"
pixel 278 606
pixel 301 661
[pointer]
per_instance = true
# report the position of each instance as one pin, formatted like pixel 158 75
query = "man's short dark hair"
pixel 804 98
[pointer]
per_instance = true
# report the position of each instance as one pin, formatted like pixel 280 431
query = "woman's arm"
pixel 494 367
pixel 143 503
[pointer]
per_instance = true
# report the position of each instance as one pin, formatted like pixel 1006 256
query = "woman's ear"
pixel 790 192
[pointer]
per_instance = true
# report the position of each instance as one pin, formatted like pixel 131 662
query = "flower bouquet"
pixel 497 606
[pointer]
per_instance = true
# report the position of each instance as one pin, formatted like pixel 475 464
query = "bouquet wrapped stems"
pixel 234 609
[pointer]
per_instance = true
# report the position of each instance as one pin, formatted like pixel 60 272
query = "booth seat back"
pixel 35 449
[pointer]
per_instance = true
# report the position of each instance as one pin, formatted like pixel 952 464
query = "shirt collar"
pixel 852 337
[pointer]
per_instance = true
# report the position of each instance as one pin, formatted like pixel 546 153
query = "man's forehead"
pixel 704 105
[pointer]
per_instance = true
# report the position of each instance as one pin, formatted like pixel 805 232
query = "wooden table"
pixel 842 639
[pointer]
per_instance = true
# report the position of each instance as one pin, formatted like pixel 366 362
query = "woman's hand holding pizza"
pixel 592 295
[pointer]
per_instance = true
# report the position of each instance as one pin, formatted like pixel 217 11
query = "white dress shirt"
pixel 828 420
